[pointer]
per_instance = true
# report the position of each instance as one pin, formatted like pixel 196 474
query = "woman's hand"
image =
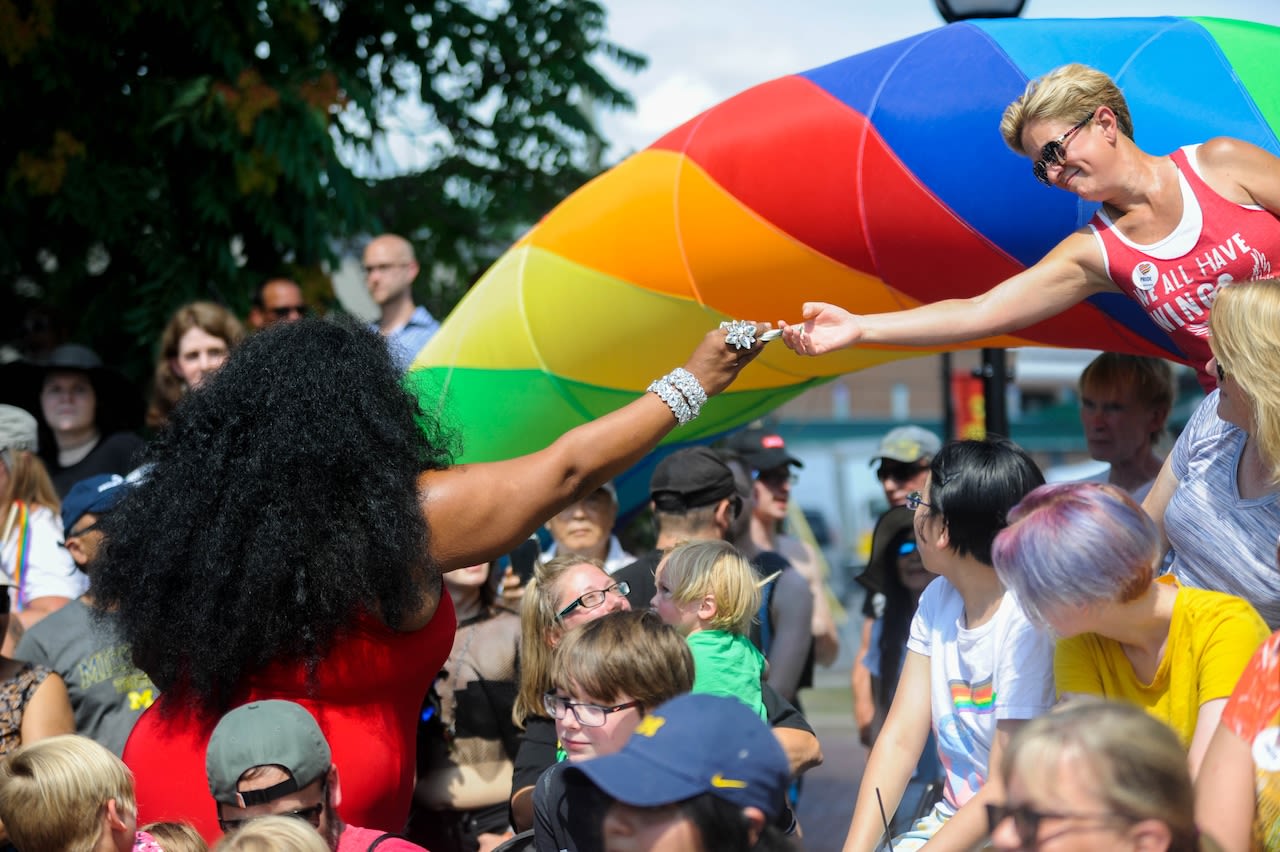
pixel 826 328
pixel 511 590
pixel 716 364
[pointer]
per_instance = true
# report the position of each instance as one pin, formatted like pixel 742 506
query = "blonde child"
pixel 175 837
pixel 709 592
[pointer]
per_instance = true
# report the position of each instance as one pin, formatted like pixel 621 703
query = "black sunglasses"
pixel 309 815
pixel 1222 374
pixel 285 311
pixel 1026 821
pixel 899 471
pixel 1054 152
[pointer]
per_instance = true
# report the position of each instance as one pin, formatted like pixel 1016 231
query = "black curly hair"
pixel 281 503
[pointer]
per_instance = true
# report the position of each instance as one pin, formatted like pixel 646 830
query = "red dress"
pixel 366 697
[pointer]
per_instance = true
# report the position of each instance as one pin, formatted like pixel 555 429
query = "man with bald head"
pixel 389 271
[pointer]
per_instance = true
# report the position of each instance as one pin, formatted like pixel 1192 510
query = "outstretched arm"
pixel 1070 273
pixel 478 512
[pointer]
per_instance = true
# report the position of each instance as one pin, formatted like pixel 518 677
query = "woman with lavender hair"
pixel 1082 559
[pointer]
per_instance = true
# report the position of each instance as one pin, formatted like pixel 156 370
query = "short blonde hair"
pixel 273 834
pixel 1148 381
pixel 176 837
pixel 53 793
pixel 1136 764
pixel 698 568
pixel 1067 93
pixel 1245 327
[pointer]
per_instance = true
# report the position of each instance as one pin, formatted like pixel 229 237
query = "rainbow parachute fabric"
pixel 877 182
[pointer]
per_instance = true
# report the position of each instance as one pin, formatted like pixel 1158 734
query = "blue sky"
pixel 703 51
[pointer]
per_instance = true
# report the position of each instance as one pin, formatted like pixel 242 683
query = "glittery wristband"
pixel 687 383
pixel 673 398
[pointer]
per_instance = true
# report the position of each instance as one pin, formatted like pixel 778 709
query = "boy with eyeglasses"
pixel 269 758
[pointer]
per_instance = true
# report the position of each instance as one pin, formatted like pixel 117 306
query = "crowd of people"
pixel 290 621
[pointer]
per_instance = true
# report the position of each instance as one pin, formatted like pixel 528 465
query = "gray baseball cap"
pixel 908 444
pixel 265 733
pixel 17 429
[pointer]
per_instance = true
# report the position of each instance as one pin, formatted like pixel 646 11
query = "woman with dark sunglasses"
pixel 1096 776
pixel 1171 230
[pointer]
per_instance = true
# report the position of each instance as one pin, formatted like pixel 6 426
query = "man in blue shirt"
pixel 389 271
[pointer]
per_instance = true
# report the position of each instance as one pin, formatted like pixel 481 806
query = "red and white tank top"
pixel 1176 279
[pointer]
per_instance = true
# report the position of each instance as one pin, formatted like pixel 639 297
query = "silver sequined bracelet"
pixel 687 383
pixel 675 400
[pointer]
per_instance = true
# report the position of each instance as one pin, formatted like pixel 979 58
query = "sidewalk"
pixel 826 803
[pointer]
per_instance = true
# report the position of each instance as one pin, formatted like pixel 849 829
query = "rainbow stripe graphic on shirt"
pixel 978 697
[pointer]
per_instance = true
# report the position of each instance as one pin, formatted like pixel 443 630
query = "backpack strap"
pixel 375 844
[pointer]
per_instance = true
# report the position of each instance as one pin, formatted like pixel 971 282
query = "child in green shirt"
pixel 709 592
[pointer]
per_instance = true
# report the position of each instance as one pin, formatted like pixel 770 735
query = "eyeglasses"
pixel 1026 821
pixel 286 311
pixel 907 547
pixel 87 528
pixel 915 501
pixel 1222 374
pixel 588 715
pixel 1054 152
pixel 309 815
pixel 775 476
pixel 898 471
pixel 77 533
pixel 593 599
pixel 371 268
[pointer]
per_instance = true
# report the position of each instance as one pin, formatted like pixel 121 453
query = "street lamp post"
pixel 961 10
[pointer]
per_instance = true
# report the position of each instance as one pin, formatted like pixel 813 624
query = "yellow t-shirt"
pixel 1211 639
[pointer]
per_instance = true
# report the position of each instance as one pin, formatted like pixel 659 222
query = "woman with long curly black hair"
pixel 289 540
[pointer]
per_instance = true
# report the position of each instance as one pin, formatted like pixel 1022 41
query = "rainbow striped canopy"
pixel 878 182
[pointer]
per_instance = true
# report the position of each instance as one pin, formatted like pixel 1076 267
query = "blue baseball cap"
pixel 691 745
pixel 95 495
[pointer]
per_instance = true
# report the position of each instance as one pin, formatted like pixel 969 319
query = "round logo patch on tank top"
pixel 1145 276
pixel 1266 750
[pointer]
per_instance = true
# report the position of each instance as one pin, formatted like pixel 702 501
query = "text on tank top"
pixel 1176 279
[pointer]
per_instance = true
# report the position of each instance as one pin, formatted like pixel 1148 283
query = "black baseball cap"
pixel 689 478
pixel 762 449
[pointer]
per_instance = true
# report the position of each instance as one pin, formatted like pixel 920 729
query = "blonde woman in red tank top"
pixel 1171 230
